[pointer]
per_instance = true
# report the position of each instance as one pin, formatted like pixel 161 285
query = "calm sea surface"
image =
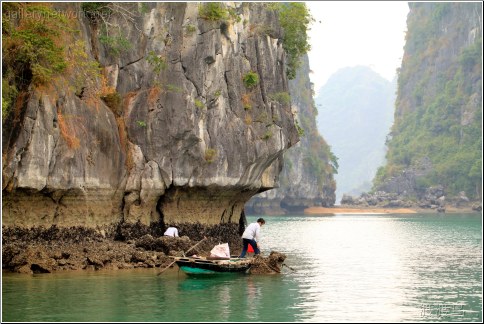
pixel 358 268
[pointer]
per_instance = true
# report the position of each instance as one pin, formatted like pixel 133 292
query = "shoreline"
pixel 317 210
pixel 127 246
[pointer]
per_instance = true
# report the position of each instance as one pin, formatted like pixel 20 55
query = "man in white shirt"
pixel 251 236
pixel 171 231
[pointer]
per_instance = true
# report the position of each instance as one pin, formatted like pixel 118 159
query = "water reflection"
pixel 200 283
pixel 237 298
pixel 383 268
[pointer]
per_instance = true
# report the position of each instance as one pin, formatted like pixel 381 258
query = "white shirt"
pixel 252 232
pixel 171 231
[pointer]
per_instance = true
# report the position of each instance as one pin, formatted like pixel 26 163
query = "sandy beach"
pixel 346 210
pixel 370 210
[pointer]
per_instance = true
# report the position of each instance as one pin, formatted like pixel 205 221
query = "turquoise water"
pixel 369 268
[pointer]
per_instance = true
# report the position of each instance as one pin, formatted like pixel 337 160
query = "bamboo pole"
pixel 183 255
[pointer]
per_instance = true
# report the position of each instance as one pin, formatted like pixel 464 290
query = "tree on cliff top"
pixel 294 18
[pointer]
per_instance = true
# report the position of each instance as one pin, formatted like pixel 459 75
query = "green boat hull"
pixel 206 267
pixel 197 271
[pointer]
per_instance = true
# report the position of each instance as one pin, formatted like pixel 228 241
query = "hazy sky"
pixel 349 33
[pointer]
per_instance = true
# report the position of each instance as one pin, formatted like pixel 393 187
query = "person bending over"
pixel 252 236
pixel 171 231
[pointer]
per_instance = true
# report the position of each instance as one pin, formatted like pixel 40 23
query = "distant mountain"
pixel 355 115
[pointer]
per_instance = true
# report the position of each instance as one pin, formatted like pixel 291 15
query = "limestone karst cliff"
pixel 436 139
pixel 179 123
pixel 307 177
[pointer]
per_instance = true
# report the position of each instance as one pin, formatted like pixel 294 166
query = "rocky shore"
pixel 434 199
pixel 127 246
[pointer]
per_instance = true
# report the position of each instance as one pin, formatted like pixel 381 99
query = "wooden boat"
pixel 207 266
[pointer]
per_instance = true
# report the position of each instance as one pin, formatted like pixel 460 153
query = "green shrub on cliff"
pixel 283 98
pixel 31 48
pixel 294 18
pixel 300 130
pixel 9 93
pixel 113 101
pixel 210 155
pixel 30 37
pixel 213 11
pixel 111 31
pixel 116 44
pixel 156 61
pixel 251 79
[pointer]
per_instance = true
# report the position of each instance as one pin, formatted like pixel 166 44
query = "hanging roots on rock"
pixel 267 265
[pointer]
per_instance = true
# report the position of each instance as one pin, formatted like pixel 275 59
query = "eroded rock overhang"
pixel 191 142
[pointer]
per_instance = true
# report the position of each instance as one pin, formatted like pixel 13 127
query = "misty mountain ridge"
pixel 355 115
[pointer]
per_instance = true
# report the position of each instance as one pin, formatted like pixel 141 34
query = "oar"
pixel 166 268
pixel 204 238
pixel 183 255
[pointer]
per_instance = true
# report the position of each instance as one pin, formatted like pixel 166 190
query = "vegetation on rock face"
pixel 210 155
pixel 31 48
pixel 113 101
pixel 116 43
pixel 112 34
pixel 251 79
pixel 199 104
pixel 439 103
pixel 300 130
pixel 156 61
pixel 216 11
pixel 283 98
pixel 294 18
pixel 213 11
pixel 34 37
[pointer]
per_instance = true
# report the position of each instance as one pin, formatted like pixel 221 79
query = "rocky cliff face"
pixel 307 177
pixel 436 139
pixel 169 132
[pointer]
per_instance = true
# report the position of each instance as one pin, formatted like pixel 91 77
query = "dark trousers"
pixel 246 243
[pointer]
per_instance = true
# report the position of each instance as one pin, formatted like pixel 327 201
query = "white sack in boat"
pixel 221 251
